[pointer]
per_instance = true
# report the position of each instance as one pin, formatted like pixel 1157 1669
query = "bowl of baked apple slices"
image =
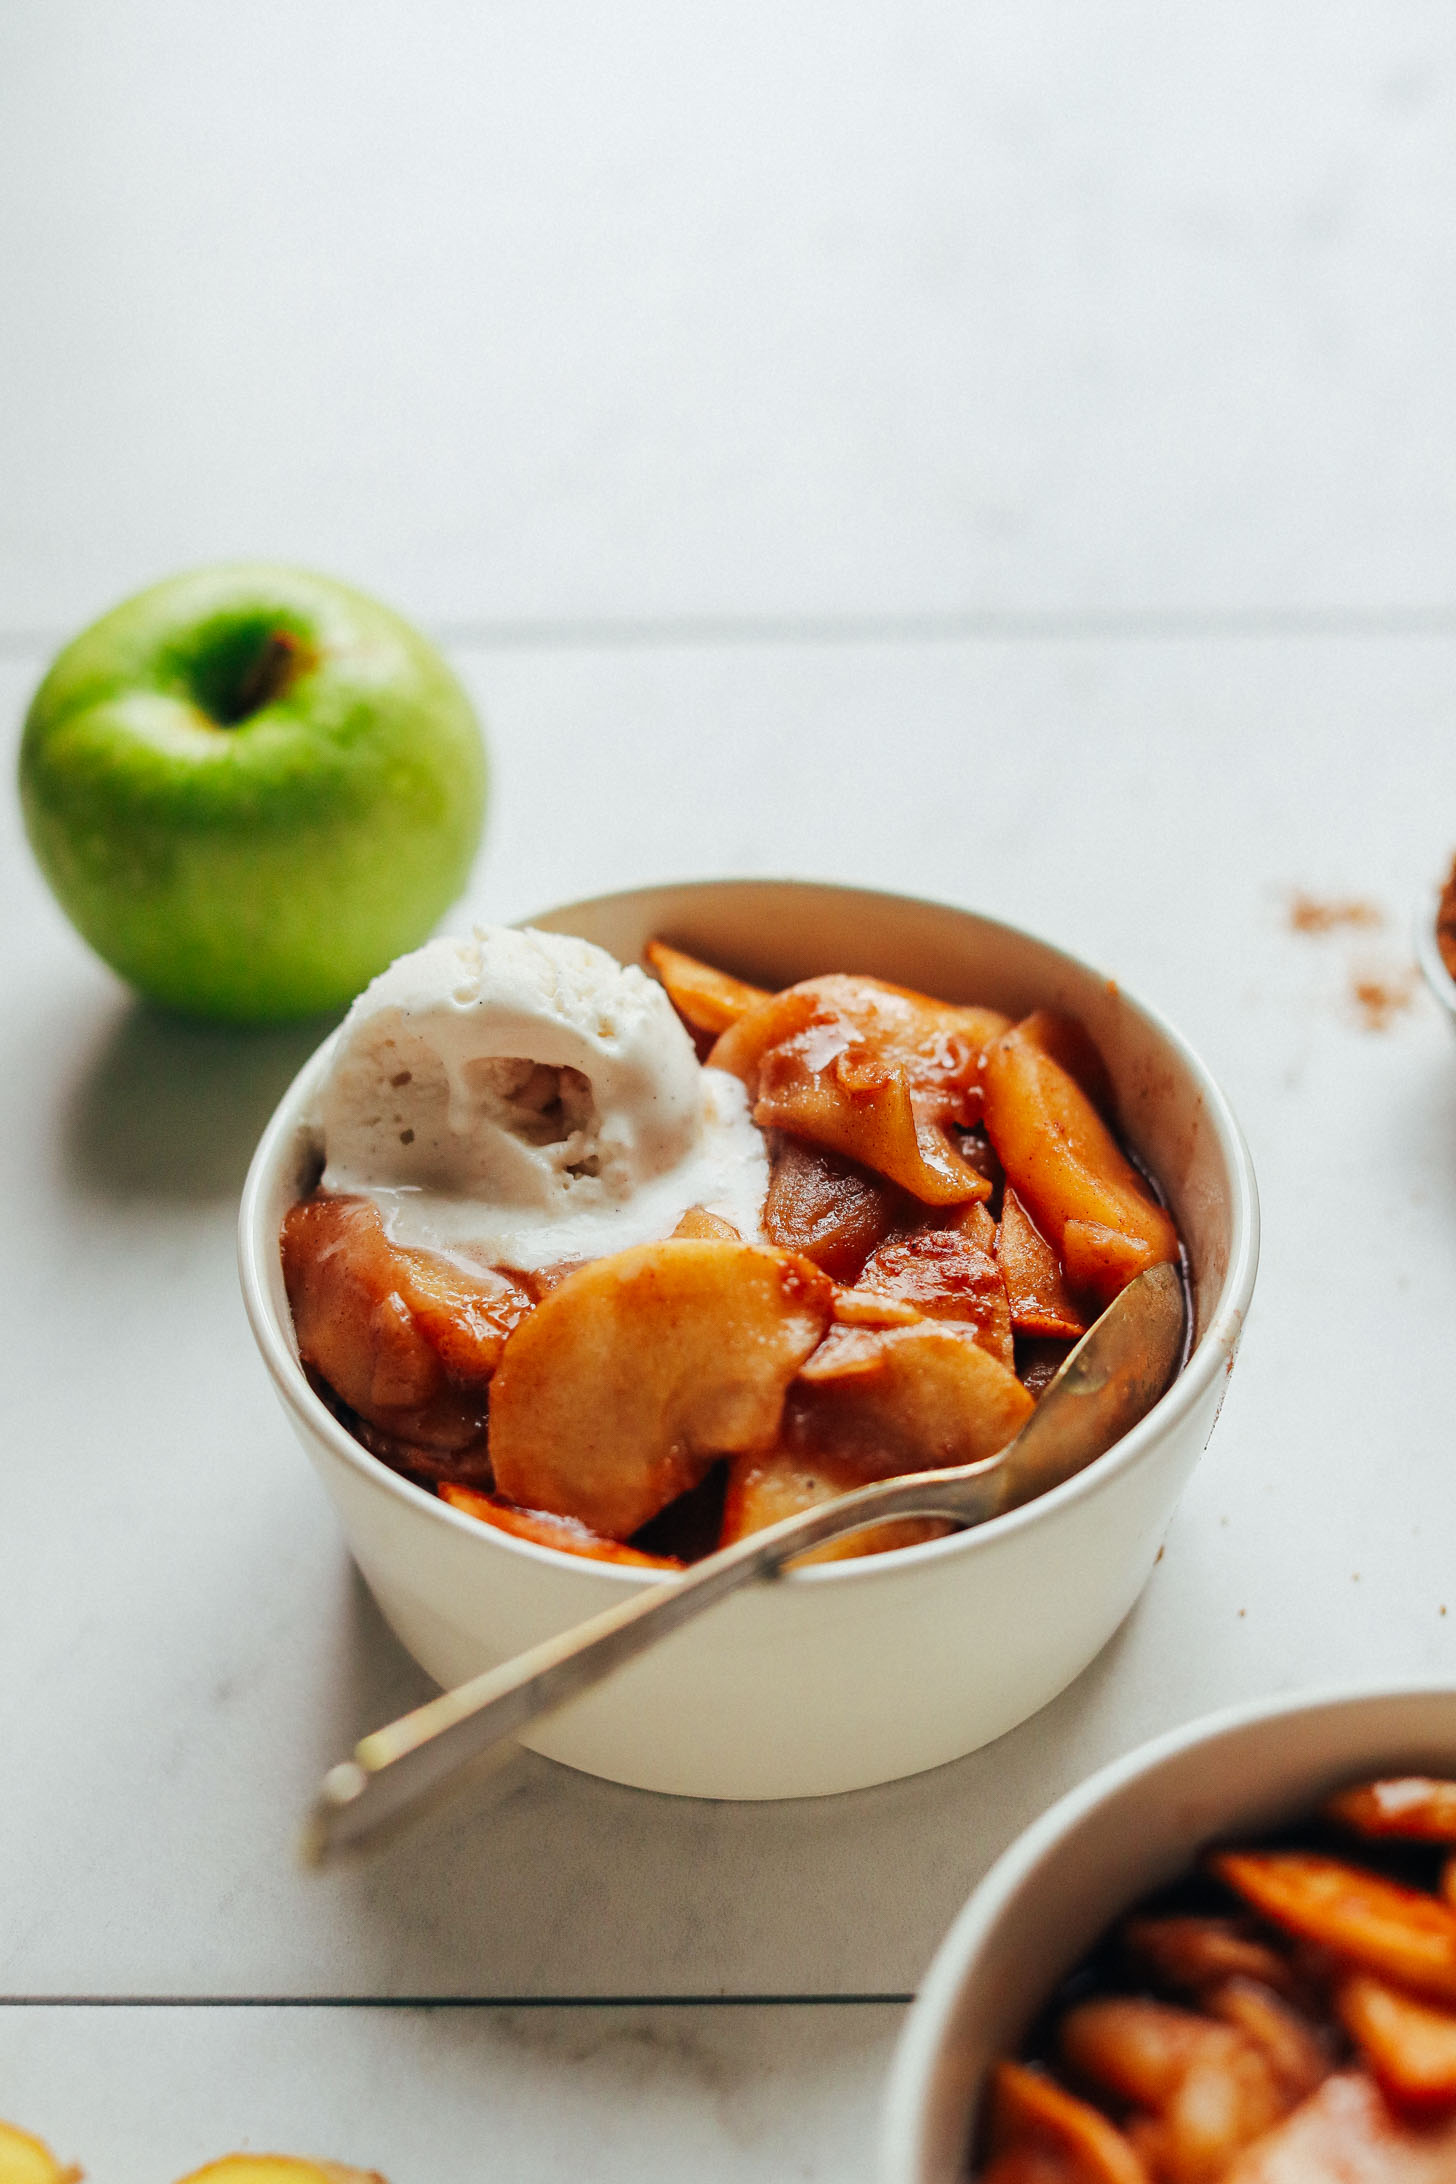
pixel 586 1247
pixel 1228 1958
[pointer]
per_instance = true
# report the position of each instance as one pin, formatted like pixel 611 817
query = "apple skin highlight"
pixel 250 788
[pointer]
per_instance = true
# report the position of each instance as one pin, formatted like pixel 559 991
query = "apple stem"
pixel 265 678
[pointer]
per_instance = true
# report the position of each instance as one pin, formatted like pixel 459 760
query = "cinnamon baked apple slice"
pixel 27 2160
pixel 705 999
pixel 631 1378
pixel 901 1399
pixel 872 1071
pixel 406 1338
pixel 949 1273
pixel 279 2169
pixel 782 1483
pixel 1067 1169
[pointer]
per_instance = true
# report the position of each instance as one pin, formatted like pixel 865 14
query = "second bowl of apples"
pixel 856 1671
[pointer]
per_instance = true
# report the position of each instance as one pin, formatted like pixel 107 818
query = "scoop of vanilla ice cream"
pixel 519 1098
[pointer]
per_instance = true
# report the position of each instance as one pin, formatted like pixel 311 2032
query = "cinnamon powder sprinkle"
pixel 1308 914
pixel 1380 1000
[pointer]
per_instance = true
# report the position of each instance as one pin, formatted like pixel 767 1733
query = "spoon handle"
pixel 405 1762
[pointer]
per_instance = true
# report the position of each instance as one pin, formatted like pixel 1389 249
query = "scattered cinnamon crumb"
pixel 1308 914
pixel 1381 998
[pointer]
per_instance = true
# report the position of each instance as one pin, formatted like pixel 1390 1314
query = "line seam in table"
pixel 450 2001
pixel 606 633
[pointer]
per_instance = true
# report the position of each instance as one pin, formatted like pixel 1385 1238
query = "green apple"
pixel 251 788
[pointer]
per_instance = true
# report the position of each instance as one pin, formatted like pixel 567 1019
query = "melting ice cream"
pixel 519 1098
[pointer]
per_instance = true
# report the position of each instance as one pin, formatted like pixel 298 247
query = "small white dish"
pixel 854 1672
pixel 1127 1831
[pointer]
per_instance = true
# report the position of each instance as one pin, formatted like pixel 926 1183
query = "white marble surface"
pixel 640 312
pixel 1006 454
pixel 722 2096
pixel 186 1631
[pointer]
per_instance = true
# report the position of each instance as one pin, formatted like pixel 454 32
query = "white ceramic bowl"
pixel 1127 1831
pixel 859 1671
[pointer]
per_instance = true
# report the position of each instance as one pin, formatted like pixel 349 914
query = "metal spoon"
pixel 1108 1382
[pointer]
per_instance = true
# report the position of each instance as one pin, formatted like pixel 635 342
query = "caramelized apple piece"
pixel 869 1070
pixel 907 1399
pixel 1346 2133
pixel 1070 1045
pixel 406 1339
pixel 1210 2090
pixel 1291 2045
pixel 762 1489
pixel 279 2169
pixel 564 1533
pixel 948 1274
pixel 1034 2120
pixel 467 1465
pixel 697 1221
pixel 1395 1932
pixel 1064 1165
pixel 1036 1293
pixel 27 2160
pixel 626 1382
pixel 705 999
pixel 826 1207
pixel 1417 1808
pixel 869 1308
pixel 1410 2046
pixel 1198 1953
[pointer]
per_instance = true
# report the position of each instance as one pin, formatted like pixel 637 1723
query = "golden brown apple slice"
pixel 1419 1808
pixel 1036 1293
pixel 872 1071
pixel 567 1534
pixel 279 2169
pixel 827 1207
pixel 1410 2046
pixel 705 999
pixel 698 1222
pixel 1066 1041
pixel 626 1382
pixel 27 2160
pixel 406 1339
pixel 762 1489
pixel 872 1308
pixel 1196 1953
pixel 1293 2047
pixel 1208 2088
pixel 1041 2134
pixel 1065 1166
pixel 1397 1933
pixel 906 1399
pixel 948 1274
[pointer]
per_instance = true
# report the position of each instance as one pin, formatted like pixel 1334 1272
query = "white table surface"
pixel 1002 454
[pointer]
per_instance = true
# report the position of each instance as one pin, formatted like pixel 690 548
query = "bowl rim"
pixel 1427 949
pixel 1212 1355
pixel 906 2107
